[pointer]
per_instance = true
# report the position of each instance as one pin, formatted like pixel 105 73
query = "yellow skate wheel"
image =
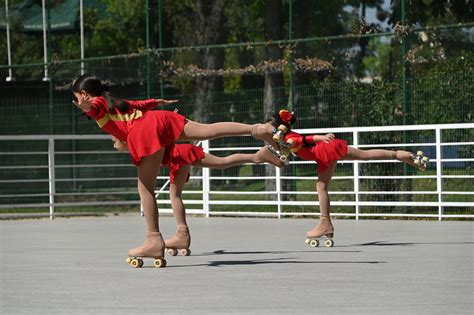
pixel 129 259
pixel 425 159
pixel 329 243
pixel 283 158
pixel 306 241
pixel 419 153
pixel 184 252
pixel 313 243
pixel 134 263
pixel 159 263
pixel 416 161
pixel 171 252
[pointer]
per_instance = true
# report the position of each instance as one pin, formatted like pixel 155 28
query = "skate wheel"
pixel 306 241
pixel 129 259
pixel 313 243
pixel 283 158
pixel 329 243
pixel 417 162
pixel 159 263
pixel 184 252
pixel 171 252
pixel 140 263
pixel 425 159
pixel 282 128
pixel 135 263
pixel 420 153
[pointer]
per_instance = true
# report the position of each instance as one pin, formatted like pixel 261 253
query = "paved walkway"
pixel 238 266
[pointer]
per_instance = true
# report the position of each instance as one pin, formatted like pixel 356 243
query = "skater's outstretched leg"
pixel 380 154
pixel 198 131
pixel 261 156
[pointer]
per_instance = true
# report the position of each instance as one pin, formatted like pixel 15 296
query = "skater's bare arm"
pixel 145 105
pixel 320 138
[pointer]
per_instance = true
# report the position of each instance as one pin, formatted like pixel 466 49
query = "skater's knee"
pixel 322 186
pixel 175 194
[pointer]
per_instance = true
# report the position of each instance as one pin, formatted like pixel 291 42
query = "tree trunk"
pixel 209 30
pixel 273 31
pixel 210 25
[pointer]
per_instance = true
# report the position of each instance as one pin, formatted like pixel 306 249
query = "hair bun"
pixel 286 116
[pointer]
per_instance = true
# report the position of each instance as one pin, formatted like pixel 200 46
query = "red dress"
pixel 322 152
pixel 145 131
pixel 178 155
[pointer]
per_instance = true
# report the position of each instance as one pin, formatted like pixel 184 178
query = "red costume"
pixel 322 152
pixel 178 155
pixel 145 132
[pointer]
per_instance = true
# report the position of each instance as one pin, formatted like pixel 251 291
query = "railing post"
pixel 439 173
pixel 52 178
pixel 278 190
pixel 205 182
pixel 355 137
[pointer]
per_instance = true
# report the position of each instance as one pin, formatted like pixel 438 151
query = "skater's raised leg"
pixel 198 131
pixel 380 154
pixel 261 156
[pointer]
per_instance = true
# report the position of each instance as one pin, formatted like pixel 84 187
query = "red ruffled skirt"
pixel 178 155
pixel 154 131
pixel 324 153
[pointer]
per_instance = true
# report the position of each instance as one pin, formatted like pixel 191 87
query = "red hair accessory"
pixel 286 116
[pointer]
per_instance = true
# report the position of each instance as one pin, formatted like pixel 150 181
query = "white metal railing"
pixel 210 206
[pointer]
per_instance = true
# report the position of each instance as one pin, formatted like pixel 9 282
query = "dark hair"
pixel 275 120
pixel 94 86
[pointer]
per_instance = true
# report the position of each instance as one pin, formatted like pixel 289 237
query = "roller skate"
pixel 279 134
pixel 323 229
pixel 265 154
pixel 153 247
pixel 179 243
pixel 420 160
pixel 282 155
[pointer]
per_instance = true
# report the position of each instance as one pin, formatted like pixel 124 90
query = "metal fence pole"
pixel 355 136
pixel 439 173
pixel 51 177
pixel 205 182
pixel 9 51
pixel 160 45
pixel 147 43
pixel 278 190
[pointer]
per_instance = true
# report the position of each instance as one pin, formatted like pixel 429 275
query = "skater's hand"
pixel 120 146
pixel 83 104
pixel 162 102
pixel 328 137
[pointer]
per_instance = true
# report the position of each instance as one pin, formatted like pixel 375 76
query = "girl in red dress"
pixel 326 150
pixel 147 133
pixel 179 158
